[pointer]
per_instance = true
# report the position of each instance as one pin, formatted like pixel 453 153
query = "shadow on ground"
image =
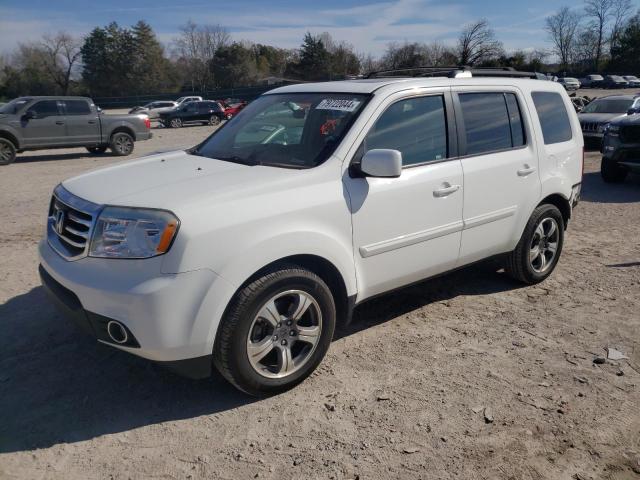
pixel 58 386
pixel 595 190
pixel 61 156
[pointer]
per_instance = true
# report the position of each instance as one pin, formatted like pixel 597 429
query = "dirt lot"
pixel 401 394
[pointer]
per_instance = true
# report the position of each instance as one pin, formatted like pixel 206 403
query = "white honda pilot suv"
pixel 246 250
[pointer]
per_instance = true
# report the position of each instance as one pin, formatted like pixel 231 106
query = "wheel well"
pixel 11 138
pixel 124 130
pixel 321 267
pixel 562 204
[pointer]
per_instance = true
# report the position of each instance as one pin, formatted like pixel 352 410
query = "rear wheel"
pixel 97 150
pixel 276 331
pixel 175 123
pixel 611 172
pixel 7 152
pixel 539 248
pixel 121 144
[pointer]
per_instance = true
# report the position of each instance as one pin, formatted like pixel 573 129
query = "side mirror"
pixel 30 114
pixel 382 163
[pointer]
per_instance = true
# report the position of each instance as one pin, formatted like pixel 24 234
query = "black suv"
pixel 621 147
pixel 193 112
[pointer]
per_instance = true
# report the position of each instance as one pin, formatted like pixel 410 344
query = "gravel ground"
pixel 467 376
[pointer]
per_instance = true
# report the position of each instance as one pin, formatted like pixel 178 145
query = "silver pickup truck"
pixel 36 123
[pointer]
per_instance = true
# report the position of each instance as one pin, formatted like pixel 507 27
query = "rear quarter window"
pixel 554 120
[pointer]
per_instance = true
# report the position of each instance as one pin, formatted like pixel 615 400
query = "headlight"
pixel 603 127
pixel 133 233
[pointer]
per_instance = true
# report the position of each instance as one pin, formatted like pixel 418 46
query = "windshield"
pixel 14 106
pixel 608 106
pixel 292 130
pixel 631 77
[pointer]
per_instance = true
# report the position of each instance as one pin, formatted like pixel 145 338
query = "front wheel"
pixel 539 248
pixel 175 123
pixel 214 120
pixel 612 172
pixel 121 144
pixel 275 332
pixel 7 152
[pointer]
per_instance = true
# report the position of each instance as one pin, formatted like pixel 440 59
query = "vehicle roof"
pixel 368 86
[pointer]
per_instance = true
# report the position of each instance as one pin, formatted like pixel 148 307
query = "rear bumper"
pixel 144 136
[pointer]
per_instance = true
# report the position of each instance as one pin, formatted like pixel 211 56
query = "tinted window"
pixel 553 116
pixel 416 127
pixel 77 107
pixel 486 122
pixel 515 119
pixel 45 108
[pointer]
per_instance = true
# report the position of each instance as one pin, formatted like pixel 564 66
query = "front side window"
pixel 45 108
pixel 416 127
pixel 554 120
pixel 290 130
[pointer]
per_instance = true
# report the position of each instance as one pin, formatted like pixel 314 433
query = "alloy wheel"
pixel 284 334
pixel 544 245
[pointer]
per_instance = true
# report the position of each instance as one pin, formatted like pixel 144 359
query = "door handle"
pixel 59 122
pixel 527 170
pixel 92 122
pixel 447 189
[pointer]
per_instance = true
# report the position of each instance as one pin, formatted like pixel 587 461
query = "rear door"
pixel 500 165
pixel 47 127
pixel 190 112
pixel 83 124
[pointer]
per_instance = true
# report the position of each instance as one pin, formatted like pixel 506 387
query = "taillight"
pixel 147 123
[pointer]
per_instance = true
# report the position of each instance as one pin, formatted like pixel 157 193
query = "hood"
pixel 598 117
pixel 175 179
pixel 628 119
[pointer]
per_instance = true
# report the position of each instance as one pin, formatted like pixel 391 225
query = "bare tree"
pixel 61 54
pixel 562 28
pixel 621 13
pixel 477 43
pixel 196 47
pixel 600 12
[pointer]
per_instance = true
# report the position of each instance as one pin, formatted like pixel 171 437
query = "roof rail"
pixel 460 71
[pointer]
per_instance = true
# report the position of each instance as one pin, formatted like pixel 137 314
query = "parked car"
pixel 230 110
pixel 37 123
pixel 592 81
pixel 632 80
pixel 621 147
pixel 614 81
pixel 569 83
pixel 192 113
pixel 153 109
pixel 597 114
pixel 245 254
pixel 183 100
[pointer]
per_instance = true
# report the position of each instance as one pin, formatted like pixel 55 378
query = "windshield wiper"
pixel 236 159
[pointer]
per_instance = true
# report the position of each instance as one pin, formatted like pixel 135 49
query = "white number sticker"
pixel 338 104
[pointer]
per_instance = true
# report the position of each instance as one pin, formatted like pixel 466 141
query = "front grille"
pixel 590 127
pixel 70 224
pixel 630 134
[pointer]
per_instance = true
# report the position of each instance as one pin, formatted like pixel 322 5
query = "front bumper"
pixel 168 316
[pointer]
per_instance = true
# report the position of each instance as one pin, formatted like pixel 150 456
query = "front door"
pixel 408 228
pixel 46 127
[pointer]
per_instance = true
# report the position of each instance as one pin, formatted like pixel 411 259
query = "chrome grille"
pixel 70 224
pixel 591 127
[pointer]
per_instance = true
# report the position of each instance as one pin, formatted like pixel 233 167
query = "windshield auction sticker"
pixel 338 104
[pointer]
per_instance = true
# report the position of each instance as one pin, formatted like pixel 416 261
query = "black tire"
pixel 97 150
pixel 214 120
pixel 611 172
pixel 175 123
pixel 518 263
pixel 230 353
pixel 121 144
pixel 7 151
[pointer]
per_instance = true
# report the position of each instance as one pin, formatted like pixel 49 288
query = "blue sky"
pixel 368 26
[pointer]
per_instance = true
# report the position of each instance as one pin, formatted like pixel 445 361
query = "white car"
pixel 570 83
pixel 182 100
pixel 245 251
pixel 154 109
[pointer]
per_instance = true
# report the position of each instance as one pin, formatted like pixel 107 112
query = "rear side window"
pixel 554 120
pixel 77 107
pixel 416 127
pixel 486 122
